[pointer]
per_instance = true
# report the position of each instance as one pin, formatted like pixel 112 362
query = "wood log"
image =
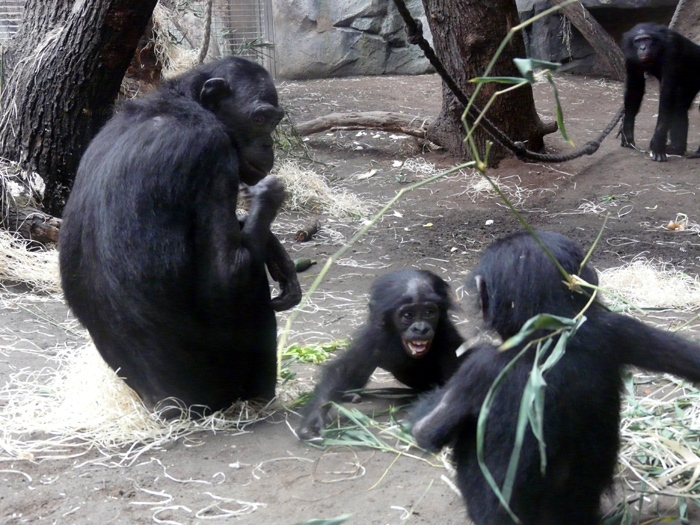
pixel 376 120
pixel 33 224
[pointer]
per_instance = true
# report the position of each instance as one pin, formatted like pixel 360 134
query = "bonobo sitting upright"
pixel 408 333
pixel 675 62
pixel 154 262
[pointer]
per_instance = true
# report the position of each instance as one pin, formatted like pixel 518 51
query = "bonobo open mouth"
pixel 416 348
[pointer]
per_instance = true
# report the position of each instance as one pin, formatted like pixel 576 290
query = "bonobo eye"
pixel 430 311
pixel 407 315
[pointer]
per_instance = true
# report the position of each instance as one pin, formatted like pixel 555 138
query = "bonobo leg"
pixel 667 112
pixel 678 133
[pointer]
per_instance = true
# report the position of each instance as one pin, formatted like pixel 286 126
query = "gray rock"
pixel 321 38
pixel 553 39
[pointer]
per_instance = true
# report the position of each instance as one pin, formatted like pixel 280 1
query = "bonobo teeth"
pixel 416 348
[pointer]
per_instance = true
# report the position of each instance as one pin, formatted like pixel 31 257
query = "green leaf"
pixel 499 80
pixel 560 113
pixel 527 67
pixel 539 322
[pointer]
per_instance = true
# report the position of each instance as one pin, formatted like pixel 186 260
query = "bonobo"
pixel 675 62
pixel 515 281
pixel 154 261
pixel 408 333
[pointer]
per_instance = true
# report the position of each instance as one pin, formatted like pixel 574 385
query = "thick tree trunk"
pixel 63 70
pixel 604 45
pixel 466 35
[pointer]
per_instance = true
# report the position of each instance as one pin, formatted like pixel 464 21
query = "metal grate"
pixel 10 17
pixel 241 27
pixel 244 27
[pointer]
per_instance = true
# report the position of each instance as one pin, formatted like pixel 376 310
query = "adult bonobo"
pixel 514 281
pixel 408 333
pixel 675 62
pixel 154 262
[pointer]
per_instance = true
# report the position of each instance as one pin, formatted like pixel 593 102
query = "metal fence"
pixel 244 27
pixel 10 17
pixel 241 27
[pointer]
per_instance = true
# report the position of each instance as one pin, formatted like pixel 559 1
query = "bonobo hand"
pixel 310 428
pixel 283 271
pixel 627 138
pixel 268 193
pixel 658 149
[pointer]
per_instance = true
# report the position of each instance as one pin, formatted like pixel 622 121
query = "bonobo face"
pixel 416 322
pixel 646 47
pixel 245 101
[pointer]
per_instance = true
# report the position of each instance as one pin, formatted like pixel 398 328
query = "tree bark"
pixel 377 120
pixel 603 44
pixel 63 69
pixel 466 35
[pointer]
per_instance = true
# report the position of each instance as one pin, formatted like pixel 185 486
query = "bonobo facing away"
pixel 408 333
pixel 154 262
pixel 675 62
pixel 515 281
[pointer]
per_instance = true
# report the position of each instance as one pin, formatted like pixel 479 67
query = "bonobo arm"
pixel 634 93
pixel 349 371
pixel 440 414
pixel 646 347
pixel 282 270
pixel 667 103
pixel 265 200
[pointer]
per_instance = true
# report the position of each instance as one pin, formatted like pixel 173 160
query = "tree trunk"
pixel 63 69
pixel 466 35
pixel 603 44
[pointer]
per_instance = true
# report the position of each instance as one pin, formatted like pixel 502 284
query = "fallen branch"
pixel 377 120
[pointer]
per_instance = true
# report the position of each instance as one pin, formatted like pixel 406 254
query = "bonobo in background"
pixel 675 62
pixel 155 263
pixel 408 332
pixel 515 281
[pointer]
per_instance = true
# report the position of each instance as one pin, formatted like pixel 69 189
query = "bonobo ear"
pixel 483 294
pixel 213 91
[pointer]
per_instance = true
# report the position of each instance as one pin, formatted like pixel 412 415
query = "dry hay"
pixel 80 404
pixel 310 192
pixel 475 186
pixel 660 443
pixel 648 283
pixel 38 269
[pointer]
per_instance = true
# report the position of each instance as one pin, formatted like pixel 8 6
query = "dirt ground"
pixel 443 227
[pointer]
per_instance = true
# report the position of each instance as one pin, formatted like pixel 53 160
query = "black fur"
pixel 155 263
pixel 675 62
pixel 582 396
pixel 379 343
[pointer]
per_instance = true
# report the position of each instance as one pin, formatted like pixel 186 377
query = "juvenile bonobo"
pixel 675 62
pixel 154 262
pixel 515 281
pixel 408 333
